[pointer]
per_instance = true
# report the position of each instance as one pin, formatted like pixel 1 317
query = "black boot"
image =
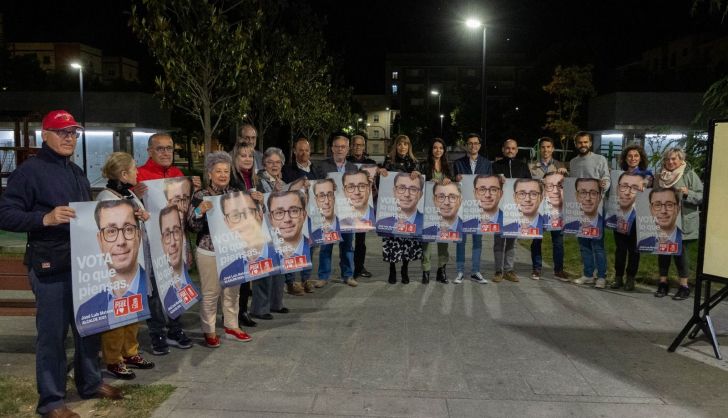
pixel 392 273
pixel 405 273
pixel 425 277
pixel 441 275
pixel 246 320
pixel 662 290
pixel 629 285
pixel 617 284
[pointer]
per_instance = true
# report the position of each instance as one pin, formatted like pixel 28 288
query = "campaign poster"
pixel 287 218
pixel 552 207
pixel 659 227
pixel 373 171
pixel 520 205
pixel 354 202
pixel 488 192
pixel 167 201
pixel 110 284
pixel 470 208
pixel 443 213
pixel 621 212
pixel 324 223
pixel 583 215
pixel 400 205
pixel 244 250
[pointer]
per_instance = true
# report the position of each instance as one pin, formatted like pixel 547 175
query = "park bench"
pixel 14 276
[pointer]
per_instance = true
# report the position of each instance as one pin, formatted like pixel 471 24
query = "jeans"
pixel 54 315
pixel 360 251
pixel 593 257
pixel 504 253
pixel 626 253
pixel 681 262
pixel 305 274
pixel 159 319
pixel 460 254
pixel 267 295
pixel 442 255
pixel 346 261
pixel 557 243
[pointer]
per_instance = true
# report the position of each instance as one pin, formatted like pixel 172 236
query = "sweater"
pixel 590 166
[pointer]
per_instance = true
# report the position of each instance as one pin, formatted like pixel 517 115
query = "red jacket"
pixel 153 171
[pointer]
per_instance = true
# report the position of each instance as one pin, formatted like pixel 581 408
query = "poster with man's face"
pixel 165 199
pixel 521 204
pixel 110 284
pixel 659 226
pixel 322 212
pixel 401 204
pixel 470 207
pixel 552 206
pixel 583 208
pixel 443 213
pixel 488 193
pixel 354 202
pixel 621 212
pixel 288 220
pixel 244 250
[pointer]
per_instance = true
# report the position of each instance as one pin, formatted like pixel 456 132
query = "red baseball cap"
pixel 59 119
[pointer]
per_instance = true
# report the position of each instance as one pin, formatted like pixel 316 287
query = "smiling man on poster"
pixel 181 292
pixel 407 192
pixel 287 215
pixel 447 199
pixel 527 193
pixel 665 210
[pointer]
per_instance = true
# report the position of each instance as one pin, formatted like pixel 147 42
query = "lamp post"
pixel 439 98
pixel 79 67
pixel 441 118
pixel 474 24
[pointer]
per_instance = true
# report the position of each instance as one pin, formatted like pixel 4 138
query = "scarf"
pixel 119 187
pixel 247 176
pixel 669 178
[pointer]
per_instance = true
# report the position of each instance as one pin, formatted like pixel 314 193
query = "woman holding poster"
pixel 119 346
pixel 676 174
pixel 396 249
pixel 218 165
pixel 437 169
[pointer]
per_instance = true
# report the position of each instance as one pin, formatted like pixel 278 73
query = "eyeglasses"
pixel 164 149
pixel 405 189
pixel 482 191
pixel 663 205
pixel 234 217
pixel 358 146
pixel 293 212
pixel 177 201
pixel 552 187
pixel 340 146
pixel 588 193
pixel 65 133
pixel 111 233
pixel 361 187
pixel 532 195
pixel 452 198
pixel 473 144
pixel 175 233
pixel 322 197
pixel 269 162
pixel 627 188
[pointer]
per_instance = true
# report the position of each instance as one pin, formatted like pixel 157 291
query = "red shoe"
pixel 237 335
pixel 212 342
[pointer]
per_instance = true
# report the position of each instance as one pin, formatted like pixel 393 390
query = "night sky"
pixel 605 33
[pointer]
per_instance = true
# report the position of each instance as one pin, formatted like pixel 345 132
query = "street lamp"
pixel 439 97
pixel 79 67
pixel 441 118
pixel 474 24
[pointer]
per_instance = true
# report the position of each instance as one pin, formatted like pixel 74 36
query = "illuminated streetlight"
pixel 441 118
pixel 439 97
pixel 473 23
pixel 79 67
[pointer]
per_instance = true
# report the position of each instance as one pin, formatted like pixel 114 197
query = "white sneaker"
pixel 478 278
pixel 458 278
pixel 601 283
pixel 584 280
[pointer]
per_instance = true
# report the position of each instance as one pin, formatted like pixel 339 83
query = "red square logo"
pixel 135 303
pixel 121 307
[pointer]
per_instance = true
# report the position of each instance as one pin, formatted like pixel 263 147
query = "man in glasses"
pixel 287 215
pixel 358 190
pixel 178 192
pixel 36 202
pixel 123 298
pixel 160 165
pixel 589 227
pixel 180 293
pixel 324 192
pixel 407 192
pixel 629 185
pixel 359 155
pixel 488 189
pixel 249 135
pixel 665 210
pixel 527 193
pixel 447 199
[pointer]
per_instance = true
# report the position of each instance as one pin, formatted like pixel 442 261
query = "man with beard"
pixel 592 166
pixel 527 193
pixel 665 209
pixel 181 292
pixel 358 189
pixel 407 192
pixel 447 198
pixel 324 192
pixel 625 230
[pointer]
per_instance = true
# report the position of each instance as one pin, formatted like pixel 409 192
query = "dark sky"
pixel 360 33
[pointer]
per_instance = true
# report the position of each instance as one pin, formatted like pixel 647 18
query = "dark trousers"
pixel 360 251
pixel 54 315
pixel 159 319
pixel 557 244
pixel 267 294
pixel 246 290
pixel 681 262
pixel 626 253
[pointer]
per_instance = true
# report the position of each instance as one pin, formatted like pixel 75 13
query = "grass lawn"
pixel 647 273
pixel 18 399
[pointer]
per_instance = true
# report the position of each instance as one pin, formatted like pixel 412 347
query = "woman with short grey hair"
pixel 271 176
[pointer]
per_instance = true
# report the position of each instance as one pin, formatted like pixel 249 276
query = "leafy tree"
pixel 570 87
pixel 204 53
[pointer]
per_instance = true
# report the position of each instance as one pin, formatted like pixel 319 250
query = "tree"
pixel 570 87
pixel 204 52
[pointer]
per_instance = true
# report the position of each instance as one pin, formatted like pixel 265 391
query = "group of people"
pixel 39 191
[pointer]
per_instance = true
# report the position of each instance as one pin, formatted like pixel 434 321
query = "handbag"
pixel 47 258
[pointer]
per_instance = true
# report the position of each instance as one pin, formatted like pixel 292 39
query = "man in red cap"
pixel 160 165
pixel 36 201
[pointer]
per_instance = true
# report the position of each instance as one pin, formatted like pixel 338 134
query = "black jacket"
pixel 322 168
pixel 512 168
pixel 291 172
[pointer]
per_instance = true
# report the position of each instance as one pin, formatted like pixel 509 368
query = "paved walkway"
pixel 534 348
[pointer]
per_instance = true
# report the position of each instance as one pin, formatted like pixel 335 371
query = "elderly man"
pixel 36 201
pixel 301 165
pixel 160 165
pixel 249 135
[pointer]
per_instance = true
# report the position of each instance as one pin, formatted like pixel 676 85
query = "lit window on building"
pixel 395 89
pixel 376 118
pixel 395 75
